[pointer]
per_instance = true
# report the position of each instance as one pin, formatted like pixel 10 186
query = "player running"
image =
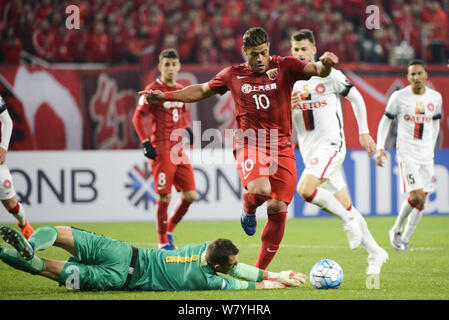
pixel 317 118
pixel 417 109
pixel 7 191
pixel 261 89
pixel 163 119
pixel 102 263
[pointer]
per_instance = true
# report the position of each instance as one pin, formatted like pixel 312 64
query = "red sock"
pixel 180 210
pixel 272 235
pixel 162 221
pixel 251 201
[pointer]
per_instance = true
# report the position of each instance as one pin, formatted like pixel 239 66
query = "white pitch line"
pixel 253 245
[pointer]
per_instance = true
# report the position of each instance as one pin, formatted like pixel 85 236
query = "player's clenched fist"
pixel 329 59
pixel 153 96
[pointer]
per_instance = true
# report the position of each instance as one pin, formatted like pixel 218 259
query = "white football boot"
pixel 376 261
pixel 395 239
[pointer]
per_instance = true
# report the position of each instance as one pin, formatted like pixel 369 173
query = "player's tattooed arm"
pixel 192 93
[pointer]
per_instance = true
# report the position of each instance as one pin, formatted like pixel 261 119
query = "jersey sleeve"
pixel 219 83
pixel 438 109
pixel 247 272
pixel 391 110
pixel 295 68
pixel 341 83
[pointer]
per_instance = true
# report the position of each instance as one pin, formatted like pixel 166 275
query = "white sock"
pixel 412 221
pixel 368 241
pixel 405 210
pixel 20 215
pixel 326 201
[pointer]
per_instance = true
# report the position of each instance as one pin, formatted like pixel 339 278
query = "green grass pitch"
pixel 421 274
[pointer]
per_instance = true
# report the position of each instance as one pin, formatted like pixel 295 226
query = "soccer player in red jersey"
pixel 163 119
pixel 261 89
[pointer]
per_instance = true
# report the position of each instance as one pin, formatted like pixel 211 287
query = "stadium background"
pixel 74 154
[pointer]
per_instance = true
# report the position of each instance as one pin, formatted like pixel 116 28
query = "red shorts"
pixel 280 170
pixel 166 174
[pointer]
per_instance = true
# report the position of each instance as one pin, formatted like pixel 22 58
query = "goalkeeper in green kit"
pixel 103 263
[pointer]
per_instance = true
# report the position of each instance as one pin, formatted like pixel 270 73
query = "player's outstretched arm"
pixel 323 67
pixel 192 93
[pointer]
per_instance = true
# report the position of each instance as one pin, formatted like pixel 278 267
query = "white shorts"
pixel 6 186
pixel 415 176
pixel 325 164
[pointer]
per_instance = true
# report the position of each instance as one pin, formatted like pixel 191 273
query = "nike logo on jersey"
pixel 241 77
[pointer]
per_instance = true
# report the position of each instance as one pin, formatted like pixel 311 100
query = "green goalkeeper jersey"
pixel 186 269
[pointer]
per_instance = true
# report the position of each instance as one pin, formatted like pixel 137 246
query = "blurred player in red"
pixel 261 89
pixel 163 119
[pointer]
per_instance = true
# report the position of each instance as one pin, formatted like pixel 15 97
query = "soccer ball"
pixel 326 274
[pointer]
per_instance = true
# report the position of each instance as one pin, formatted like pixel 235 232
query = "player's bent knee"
pixel 190 196
pixel 274 206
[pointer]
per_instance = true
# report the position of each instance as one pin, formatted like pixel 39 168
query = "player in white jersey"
pixel 317 118
pixel 7 192
pixel 418 111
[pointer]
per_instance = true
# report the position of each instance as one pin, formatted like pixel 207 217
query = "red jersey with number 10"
pixel 262 101
pixel 163 118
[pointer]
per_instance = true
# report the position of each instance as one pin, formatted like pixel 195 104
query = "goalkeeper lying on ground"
pixel 102 263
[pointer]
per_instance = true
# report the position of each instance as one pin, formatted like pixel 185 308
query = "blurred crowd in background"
pixel 210 31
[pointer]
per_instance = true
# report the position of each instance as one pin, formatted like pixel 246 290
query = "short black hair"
pixel 303 34
pixel 254 37
pixel 219 251
pixel 168 53
pixel 414 62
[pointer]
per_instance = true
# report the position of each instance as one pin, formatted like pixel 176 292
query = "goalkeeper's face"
pixel 303 50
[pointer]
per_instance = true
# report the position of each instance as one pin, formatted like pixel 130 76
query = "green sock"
pixel 13 258
pixel 43 238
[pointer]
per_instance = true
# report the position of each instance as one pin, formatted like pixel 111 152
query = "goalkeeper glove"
pixel 148 150
pixel 289 278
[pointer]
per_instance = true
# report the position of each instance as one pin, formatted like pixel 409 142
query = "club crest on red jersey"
pixel 272 74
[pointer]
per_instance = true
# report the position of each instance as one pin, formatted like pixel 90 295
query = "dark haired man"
pixel 261 89
pixel 102 263
pixel 417 109
pixel 163 120
pixel 317 117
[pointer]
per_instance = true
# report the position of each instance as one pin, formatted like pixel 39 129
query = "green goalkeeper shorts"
pixel 101 263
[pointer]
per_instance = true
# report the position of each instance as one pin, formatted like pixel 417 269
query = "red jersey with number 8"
pixel 162 118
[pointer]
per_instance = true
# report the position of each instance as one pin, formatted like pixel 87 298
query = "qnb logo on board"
pixel 141 186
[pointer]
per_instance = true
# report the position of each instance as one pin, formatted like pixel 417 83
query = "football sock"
pixel 43 238
pixel 180 210
pixel 162 207
pixel 405 210
pixel 19 213
pixel 412 221
pixel 251 201
pixel 12 257
pixel 368 241
pixel 271 237
pixel 326 201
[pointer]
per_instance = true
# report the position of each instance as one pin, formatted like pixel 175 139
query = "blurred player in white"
pixel 418 111
pixel 7 192
pixel 317 118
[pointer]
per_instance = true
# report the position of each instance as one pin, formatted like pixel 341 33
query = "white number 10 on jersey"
pixel 262 101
